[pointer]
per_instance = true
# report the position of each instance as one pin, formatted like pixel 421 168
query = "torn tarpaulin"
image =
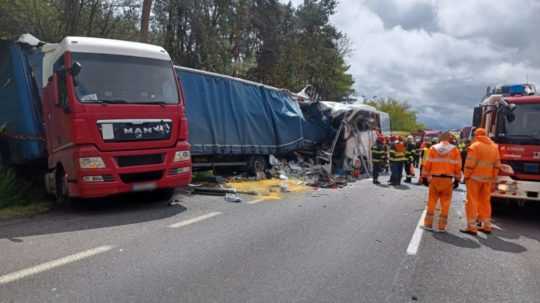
pixel 341 134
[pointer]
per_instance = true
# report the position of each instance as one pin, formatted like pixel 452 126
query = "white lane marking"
pixel 255 201
pixel 194 220
pixel 14 276
pixel 496 226
pixel 412 249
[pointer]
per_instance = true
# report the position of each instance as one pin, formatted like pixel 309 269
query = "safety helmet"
pixel 479 132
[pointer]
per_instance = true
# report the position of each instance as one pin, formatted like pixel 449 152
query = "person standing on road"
pixel 481 169
pixel 441 168
pixel 410 154
pixel 379 158
pixel 397 158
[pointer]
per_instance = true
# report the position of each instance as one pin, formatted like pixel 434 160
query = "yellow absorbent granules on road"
pixel 269 189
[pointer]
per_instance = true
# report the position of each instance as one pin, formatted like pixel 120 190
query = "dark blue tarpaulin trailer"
pixel 232 120
pixel 20 104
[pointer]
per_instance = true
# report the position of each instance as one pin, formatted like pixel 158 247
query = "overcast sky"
pixel 440 55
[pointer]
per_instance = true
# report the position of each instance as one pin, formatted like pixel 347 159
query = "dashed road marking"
pixel 255 201
pixel 194 220
pixel 412 249
pixel 14 276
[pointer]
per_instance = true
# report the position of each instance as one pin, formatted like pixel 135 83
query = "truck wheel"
pixel 62 197
pixel 256 165
pixel 165 194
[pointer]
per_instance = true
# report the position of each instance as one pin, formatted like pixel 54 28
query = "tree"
pixel 145 19
pixel 51 20
pixel 263 40
pixel 402 117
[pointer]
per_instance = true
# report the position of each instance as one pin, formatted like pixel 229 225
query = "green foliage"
pixel 402 117
pixel 12 190
pixel 262 40
pixel 51 20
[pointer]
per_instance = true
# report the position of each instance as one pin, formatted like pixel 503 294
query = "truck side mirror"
pixel 477 117
pixel 76 68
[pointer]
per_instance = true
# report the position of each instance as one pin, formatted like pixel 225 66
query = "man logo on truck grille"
pixel 140 131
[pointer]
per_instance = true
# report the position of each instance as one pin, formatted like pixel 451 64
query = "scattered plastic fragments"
pixel 232 198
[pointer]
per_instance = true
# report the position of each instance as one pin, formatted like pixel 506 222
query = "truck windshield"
pixel 525 127
pixel 124 79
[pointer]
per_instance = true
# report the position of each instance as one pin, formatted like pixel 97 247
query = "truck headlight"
pixel 182 156
pixel 503 187
pixel 91 162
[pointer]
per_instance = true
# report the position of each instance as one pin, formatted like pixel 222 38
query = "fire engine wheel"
pixel 62 196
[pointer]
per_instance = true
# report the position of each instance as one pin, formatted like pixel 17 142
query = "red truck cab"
pixel 513 122
pixel 114 119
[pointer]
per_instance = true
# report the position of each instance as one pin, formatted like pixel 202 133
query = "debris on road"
pixel 269 189
pixel 233 198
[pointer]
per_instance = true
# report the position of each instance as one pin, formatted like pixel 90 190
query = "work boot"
pixel 485 226
pixel 427 227
pixel 428 222
pixel 485 231
pixel 469 231
pixel 443 223
pixel 407 180
pixel 376 182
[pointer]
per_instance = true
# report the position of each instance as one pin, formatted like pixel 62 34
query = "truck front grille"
pixel 141 177
pixel 125 161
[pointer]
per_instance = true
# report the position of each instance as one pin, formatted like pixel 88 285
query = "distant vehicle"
pixel 105 116
pixel 425 135
pixel 507 90
pixel 513 122
pixel 466 133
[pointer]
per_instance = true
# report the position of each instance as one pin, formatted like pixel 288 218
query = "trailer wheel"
pixel 257 165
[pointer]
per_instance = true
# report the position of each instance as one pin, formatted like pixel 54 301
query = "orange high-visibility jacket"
pixel 483 160
pixel 444 160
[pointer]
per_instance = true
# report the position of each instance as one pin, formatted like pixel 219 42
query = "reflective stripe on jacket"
pixel 411 152
pixel 378 153
pixel 483 160
pixel 444 160
pixel 397 152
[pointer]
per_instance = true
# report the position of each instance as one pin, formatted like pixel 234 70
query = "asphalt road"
pixel 358 244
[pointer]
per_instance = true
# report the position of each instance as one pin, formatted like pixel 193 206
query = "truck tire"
pixel 257 164
pixel 165 194
pixel 61 192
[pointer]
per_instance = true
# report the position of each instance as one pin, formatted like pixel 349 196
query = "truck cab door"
pixel 57 114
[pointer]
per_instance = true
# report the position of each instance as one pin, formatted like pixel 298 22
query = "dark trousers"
pixel 377 169
pixel 408 166
pixel 396 169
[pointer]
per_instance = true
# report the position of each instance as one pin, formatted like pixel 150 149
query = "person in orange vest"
pixel 481 169
pixel 443 170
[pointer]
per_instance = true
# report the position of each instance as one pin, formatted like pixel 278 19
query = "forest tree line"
pixel 266 41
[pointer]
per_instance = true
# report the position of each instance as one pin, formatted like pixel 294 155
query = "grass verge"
pixel 20 197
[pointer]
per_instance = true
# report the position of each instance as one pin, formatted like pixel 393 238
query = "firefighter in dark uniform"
pixel 379 158
pixel 397 159
pixel 411 154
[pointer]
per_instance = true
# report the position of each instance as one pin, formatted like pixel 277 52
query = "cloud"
pixel 440 55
